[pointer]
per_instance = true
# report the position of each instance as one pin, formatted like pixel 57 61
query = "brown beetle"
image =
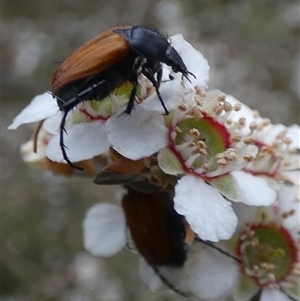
pixel 158 232
pixel 104 63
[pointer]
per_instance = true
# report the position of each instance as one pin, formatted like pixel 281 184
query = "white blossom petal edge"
pixel 207 212
pixel 149 276
pixel 41 107
pixel 171 92
pixel 209 267
pixel 137 136
pixel 104 230
pixel 82 140
pixel 294 134
pixel 274 295
pixel 254 189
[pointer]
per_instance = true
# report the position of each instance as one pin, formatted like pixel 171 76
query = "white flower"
pixel 263 255
pixel 104 229
pixel 205 144
pixel 105 233
pixel 83 141
pixel 206 274
pixel 268 246
pixel 207 212
pixel 41 107
pixel 130 134
pixel 85 134
pixel 143 133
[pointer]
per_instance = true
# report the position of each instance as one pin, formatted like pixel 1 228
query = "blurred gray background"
pixel 253 50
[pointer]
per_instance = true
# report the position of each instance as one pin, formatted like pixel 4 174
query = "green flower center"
pixel 198 143
pixel 122 92
pixel 268 253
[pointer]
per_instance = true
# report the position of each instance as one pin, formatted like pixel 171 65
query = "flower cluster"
pixel 212 171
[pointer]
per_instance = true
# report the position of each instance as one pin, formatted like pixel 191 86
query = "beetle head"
pixel 174 60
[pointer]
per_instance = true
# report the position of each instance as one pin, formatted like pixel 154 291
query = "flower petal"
pixel 208 268
pixel 29 156
pixel 51 124
pixel 137 136
pixel 245 112
pixel 245 214
pixel 274 295
pixel 169 162
pixel 171 92
pixel 293 291
pixel 175 278
pixel 207 212
pixel 104 230
pixel 294 134
pixel 245 288
pixel 83 141
pixel 148 275
pixel 288 203
pixel 227 185
pixel 42 106
pixel 255 189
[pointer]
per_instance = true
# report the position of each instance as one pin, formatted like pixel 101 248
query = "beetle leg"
pixel 155 82
pixel 138 69
pixel 61 142
pixel 130 104
pixel 138 65
pixel 159 74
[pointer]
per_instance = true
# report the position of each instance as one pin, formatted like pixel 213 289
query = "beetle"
pixel 104 63
pixel 158 232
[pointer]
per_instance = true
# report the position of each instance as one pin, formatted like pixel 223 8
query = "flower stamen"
pixel 269 261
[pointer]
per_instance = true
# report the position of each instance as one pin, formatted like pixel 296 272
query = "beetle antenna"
pixel 63 147
pixel 60 99
pixel 54 96
pixel 168 283
pixel 49 92
pixel 213 246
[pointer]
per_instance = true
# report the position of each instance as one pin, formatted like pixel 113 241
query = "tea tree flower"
pixel 228 173
pixel 263 256
pixel 104 230
pixel 268 245
pixel 87 122
pixel 201 144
